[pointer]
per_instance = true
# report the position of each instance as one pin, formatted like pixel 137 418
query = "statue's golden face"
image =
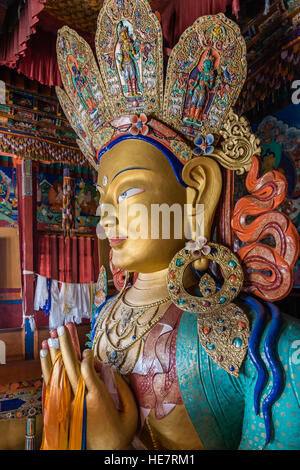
pixel 135 172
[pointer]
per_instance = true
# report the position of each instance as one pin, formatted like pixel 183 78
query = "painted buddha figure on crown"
pixel 199 363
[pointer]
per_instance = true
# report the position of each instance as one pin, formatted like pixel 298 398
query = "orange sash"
pixel 77 417
pixel 57 408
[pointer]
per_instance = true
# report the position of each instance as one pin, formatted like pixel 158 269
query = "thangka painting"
pixel 86 203
pixel 8 197
pixel 49 199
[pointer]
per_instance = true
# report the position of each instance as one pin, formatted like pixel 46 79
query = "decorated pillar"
pixel 27 196
pixel 68 211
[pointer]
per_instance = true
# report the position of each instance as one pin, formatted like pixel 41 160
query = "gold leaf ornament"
pixel 238 146
pixel 223 327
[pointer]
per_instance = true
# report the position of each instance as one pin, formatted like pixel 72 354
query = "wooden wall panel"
pixel 20 371
pixel 14 344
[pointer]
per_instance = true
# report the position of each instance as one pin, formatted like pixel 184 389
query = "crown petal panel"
pixel 81 79
pixel 205 74
pixel 129 50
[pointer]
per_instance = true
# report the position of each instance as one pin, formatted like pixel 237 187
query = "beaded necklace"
pixel 124 325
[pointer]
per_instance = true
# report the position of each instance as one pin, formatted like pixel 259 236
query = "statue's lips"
pixel 116 241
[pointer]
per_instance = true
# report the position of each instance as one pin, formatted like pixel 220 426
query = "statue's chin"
pixel 135 263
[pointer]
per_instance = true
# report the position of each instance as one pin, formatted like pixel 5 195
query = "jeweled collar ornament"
pixel 123 326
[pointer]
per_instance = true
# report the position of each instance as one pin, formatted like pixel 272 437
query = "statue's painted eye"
pixel 128 193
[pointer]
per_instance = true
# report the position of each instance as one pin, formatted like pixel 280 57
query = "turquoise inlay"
pixel 179 262
pixel 238 342
pixel 232 263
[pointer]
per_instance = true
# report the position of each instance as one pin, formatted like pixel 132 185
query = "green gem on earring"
pixel 181 301
pixel 222 300
pixel 237 342
pixel 179 262
pixel 232 263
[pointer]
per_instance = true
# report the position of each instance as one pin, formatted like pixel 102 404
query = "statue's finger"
pixel 74 337
pixel 69 356
pixel 129 414
pixel 46 363
pixel 53 348
pixel 89 375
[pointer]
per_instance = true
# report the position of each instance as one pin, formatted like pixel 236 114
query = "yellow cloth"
pixel 77 417
pixel 57 408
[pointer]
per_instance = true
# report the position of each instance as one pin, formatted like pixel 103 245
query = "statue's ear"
pixel 204 180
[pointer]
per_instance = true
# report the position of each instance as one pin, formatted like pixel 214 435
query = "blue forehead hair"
pixel 176 165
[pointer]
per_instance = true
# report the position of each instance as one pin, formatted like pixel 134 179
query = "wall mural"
pixel 50 201
pixel 87 201
pixel 8 197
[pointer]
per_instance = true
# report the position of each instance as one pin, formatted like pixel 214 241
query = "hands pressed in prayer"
pixel 106 427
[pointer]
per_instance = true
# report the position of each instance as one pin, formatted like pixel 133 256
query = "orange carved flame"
pixel 268 269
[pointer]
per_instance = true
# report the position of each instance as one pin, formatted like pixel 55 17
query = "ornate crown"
pixel 125 95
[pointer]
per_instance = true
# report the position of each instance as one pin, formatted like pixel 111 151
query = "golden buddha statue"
pixel 184 347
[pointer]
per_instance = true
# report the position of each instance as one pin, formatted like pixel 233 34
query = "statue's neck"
pixel 148 288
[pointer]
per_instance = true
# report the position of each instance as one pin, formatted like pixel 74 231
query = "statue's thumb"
pixel 129 415
pixel 88 372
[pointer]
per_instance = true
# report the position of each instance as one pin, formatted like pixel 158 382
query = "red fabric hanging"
pixel 14 44
pixel 74 258
pixel 53 255
pixel 68 259
pixel 177 15
pixel 89 259
pixel 40 61
pixel 44 259
pixel 61 258
pixel 81 257
pixel 96 257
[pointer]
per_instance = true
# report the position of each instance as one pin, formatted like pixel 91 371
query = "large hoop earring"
pixel 223 327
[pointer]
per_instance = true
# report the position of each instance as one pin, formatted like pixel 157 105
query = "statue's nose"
pixel 108 222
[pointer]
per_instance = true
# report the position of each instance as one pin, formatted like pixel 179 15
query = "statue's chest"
pixel 154 377
pixel 150 360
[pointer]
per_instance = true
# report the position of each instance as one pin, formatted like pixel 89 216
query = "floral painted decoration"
pixel 139 124
pixel 204 145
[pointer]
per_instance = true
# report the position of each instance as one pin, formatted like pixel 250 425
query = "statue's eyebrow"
pixel 131 168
